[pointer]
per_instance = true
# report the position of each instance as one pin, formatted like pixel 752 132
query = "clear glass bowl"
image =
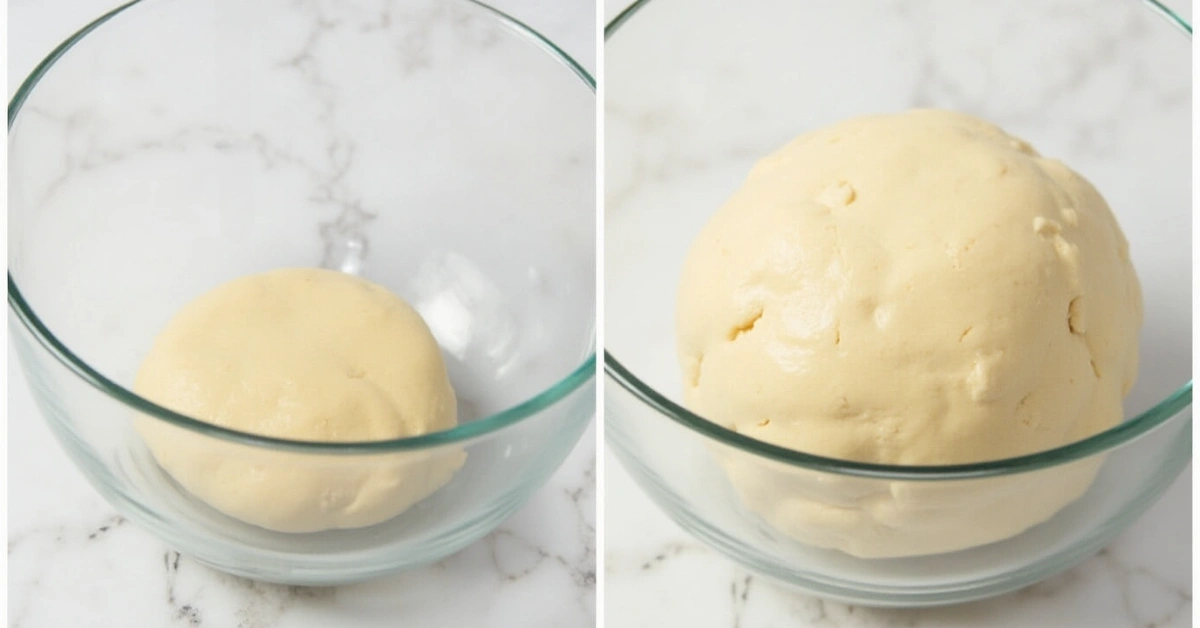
pixel 697 91
pixel 441 149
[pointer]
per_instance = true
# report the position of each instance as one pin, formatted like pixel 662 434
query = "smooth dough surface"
pixel 917 288
pixel 302 354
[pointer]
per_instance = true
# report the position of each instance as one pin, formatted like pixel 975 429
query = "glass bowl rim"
pixel 581 374
pixel 1109 439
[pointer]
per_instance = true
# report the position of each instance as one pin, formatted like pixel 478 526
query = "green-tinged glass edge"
pixel 1109 439
pixel 470 430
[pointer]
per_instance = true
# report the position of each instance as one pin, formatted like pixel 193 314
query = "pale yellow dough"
pixel 920 289
pixel 300 354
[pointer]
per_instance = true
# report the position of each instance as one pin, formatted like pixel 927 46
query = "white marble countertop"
pixel 74 562
pixel 656 574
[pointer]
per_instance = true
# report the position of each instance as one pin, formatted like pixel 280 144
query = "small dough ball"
pixel 302 354
pixel 918 289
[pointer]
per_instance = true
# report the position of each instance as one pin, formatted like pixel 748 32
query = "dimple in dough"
pixel 918 288
pixel 301 354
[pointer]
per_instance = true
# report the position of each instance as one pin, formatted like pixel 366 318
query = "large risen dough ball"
pixel 301 354
pixel 919 289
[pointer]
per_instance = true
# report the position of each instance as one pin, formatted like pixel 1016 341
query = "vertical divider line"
pixel 600 493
